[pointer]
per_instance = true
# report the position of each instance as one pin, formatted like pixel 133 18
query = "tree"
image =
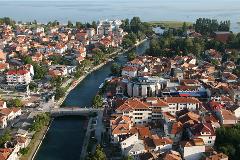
pixel 24 151
pixel 228 140
pixel 128 158
pixel 115 69
pixel 60 92
pixel 32 86
pixel 94 25
pixel 135 24
pixel 127 43
pixel 40 121
pixel 131 56
pixel 15 103
pixel 99 154
pixel 79 25
pixel 84 65
pixel 184 27
pixel 5 137
pixel 97 101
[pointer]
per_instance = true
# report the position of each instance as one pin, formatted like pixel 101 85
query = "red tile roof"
pixel 182 100
pixel 18 72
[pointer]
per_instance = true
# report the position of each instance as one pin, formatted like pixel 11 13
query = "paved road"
pixel 99 127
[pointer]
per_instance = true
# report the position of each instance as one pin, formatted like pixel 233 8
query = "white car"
pixel 40 109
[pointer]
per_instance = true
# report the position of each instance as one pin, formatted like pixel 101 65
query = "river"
pixel 65 136
pixel 149 10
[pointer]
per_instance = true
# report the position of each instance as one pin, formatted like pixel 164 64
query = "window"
pixel 210 137
pixel 209 141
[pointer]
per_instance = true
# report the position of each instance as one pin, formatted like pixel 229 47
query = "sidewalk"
pixel 86 140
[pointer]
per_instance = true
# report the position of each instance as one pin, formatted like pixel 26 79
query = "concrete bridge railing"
pixel 72 111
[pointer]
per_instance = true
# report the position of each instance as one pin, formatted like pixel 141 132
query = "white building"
pixel 90 32
pixel 14 77
pixel 193 149
pixel 139 112
pixel 203 131
pixel 129 71
pixel 179 103
pixel 145 87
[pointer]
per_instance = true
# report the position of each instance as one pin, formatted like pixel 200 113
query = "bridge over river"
pixel 66 111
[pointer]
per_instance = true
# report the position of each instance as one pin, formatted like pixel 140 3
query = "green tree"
pixel 135 24
pixel 97 101
pixel 40 121
pixel 5 137
pixel 14 103
pixel 128 158
pixel 116 69
pixel 59 93
pixel 94 25
pixel 99 154
pixel 24 151
pixel 127 43
pixel 32 86
pixel 79 25
pixel 131 56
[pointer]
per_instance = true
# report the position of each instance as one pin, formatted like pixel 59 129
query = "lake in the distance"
pixel 148 10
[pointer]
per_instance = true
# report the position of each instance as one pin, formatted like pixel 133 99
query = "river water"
pixel 148 10
pixel 65 136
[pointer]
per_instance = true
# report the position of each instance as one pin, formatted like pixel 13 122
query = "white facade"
pixel 129 142
pixel 193 152
pixel 208 140
pixel 18 78
pixel 174 107
pixel 139 116
pixel 237 112
pixel 90 32
pixel 129 73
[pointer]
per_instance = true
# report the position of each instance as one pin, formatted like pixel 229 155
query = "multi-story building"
pixel 14 77
pixel 179 103
pixel 145 86
pixel 138 111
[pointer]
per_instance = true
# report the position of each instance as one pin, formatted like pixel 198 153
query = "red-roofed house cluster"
pixel 171 107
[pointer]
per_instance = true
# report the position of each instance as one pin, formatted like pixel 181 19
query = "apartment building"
pixel 14 77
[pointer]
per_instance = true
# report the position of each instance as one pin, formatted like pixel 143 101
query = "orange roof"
pixel 182 100
pixel 4 66
pixel 161 141
pixel 15 109
pixel 189 117
pixel 5 111
pixel 18 72
pixel 176 128
pixel 132 104
pixel 218 156
pixel 129 69
pixel 227 115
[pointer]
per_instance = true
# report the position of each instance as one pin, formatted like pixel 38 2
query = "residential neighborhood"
pixel 171 108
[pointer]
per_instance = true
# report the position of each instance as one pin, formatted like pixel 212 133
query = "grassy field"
pixel 169 24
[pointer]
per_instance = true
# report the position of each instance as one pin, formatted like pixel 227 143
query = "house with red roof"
pixel 121 125
pixel 129 71
pixel 21 76
pixel 204 131
pixel 4 66
pixel 179 103
pixel 192 149
pixel 139 111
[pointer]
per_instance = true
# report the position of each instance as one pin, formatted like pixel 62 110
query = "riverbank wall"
pixel 36 142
